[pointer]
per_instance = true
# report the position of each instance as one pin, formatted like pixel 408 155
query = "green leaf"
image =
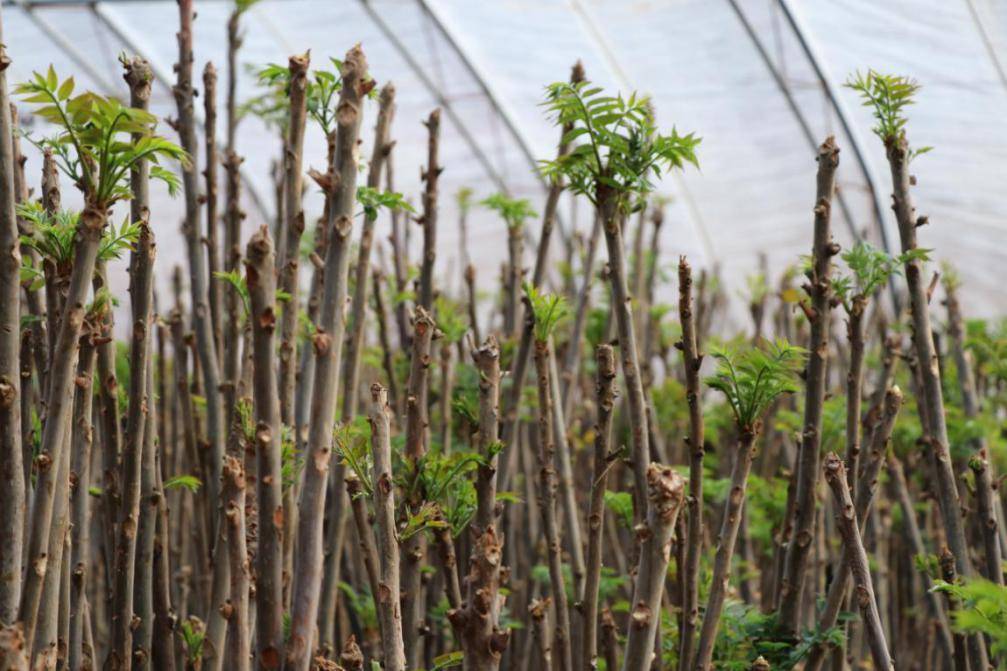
pixel 190 482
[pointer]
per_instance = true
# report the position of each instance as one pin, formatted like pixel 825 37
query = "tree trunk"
pixel 666 492
pixel 328 345
pixel 856 558
pixel 12 503
pixel 606 392
pixel 692 360
pixel 261 281
pixel 819 289
pixel 387 598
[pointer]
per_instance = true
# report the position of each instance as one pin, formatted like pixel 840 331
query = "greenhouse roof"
pixel 760 80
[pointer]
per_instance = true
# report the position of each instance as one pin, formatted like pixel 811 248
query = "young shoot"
pixel 548 310
pixel 870 268
pixel 888 96
pixel 621 153
pixel 53 235
pixel 322 95
pixel 100 140
pixel 514 211
pixel 372 200
pixel 450 319
pixel 752 378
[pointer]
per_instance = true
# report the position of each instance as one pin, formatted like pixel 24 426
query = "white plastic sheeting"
pixel 753 94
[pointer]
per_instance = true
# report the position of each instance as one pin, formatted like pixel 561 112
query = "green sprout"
pixel 372 199
pixel 752 378
pixel 871 267
pixel 514 211
pixel 623 152
pixel 100 139
pixel 548 310
pixel 888 95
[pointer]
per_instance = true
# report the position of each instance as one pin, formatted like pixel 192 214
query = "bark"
pixel 547 506
pixel 932 396
pixel 606 392
pixel 288 253
pixel 864 497
pixel 261 281
pixel 13 652
pixel 351 368
pixel 819 289
pixel 730 523
pixel 150 495
pixel 429 217
pixel 12 502
pixel 612 224
pixel 487 362
pixel 233 309
pixel 417 439
pixel 471 301
pixel 666 493
pixel 328 344
pixel 387 597
pixel 164 615
pixel 400 257
pixel 476 623
pixel 60 401
pixel 238 634
pixel 854 386
pixel 80 502
pixel 571 360
pixel 384 338
pixel 692 360
pixel 358 317
pixel 538 609
pixel 856 558
pixel 215 288
pixel 513 275
pixel 987 499
pixel 192 230
pixel 141 295
pixel 365 534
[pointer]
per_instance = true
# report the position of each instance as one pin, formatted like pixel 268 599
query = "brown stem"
pixel 865 491
pixel 387 598
pixel 288 253
pixel 665 494
pixel 932 395
pixel 261 281
pixel 328 346
pixel 12 503
pixel 60 400
pixel 692 360
pixel 429 217
pixel 214 288
pixel 808 471
pixel 417 427
pixel 606 392
pixel 547 506
pixel 238 634
pixel 731 522
pixel 856 558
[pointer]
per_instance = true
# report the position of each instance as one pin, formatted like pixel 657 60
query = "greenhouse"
pixel 568 334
